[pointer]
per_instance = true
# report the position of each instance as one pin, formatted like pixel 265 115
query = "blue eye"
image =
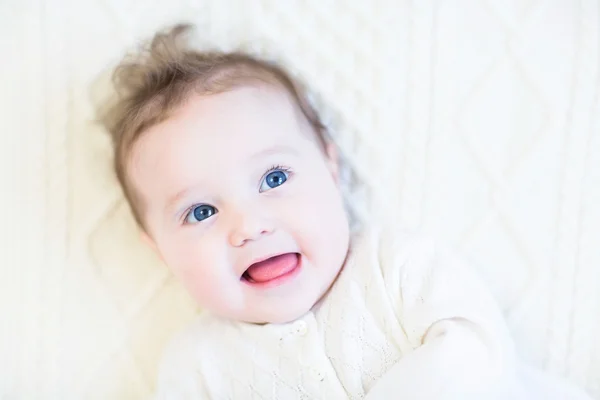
pixel 273 179
pixel 200 213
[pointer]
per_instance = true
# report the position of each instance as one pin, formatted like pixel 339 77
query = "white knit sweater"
pixel 405 319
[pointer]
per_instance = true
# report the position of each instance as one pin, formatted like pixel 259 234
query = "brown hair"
pixel 152 83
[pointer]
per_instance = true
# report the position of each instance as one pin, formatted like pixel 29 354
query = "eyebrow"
pixel 274 150
pixel 263 153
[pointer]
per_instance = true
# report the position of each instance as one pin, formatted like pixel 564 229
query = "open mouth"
pixel 273 270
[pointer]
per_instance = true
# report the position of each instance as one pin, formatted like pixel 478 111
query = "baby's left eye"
pixel 273 179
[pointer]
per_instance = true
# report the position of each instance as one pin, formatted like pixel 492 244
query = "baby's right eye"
pixel 200 213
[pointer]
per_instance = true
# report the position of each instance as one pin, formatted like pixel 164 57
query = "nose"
pixel 248 225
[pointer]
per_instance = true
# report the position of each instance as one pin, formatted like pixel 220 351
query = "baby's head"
pixel 231 178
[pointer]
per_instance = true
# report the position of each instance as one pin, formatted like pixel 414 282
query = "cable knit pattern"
pixel 480 120
pixel 337 351
pixel 396 293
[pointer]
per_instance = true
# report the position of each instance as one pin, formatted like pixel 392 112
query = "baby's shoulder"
pixel 399 247
pixel 180 373
pixel 402 252
pixel 186 350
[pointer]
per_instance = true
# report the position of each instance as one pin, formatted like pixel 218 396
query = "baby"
pixel 236 184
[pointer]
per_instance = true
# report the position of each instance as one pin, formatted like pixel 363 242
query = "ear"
pixel 331 154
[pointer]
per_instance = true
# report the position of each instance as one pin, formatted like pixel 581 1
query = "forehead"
pixel 246 114
pixel 214 131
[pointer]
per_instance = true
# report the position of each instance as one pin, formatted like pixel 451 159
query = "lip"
pixel 278 281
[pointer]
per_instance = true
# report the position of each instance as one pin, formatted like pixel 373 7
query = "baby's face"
pixel 242 203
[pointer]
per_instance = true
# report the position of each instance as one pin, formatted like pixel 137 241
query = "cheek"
pixel 181 253
pixel 194 262
pixel 316 208
pixel 323 195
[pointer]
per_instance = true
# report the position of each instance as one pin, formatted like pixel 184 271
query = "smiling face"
pixel 242 203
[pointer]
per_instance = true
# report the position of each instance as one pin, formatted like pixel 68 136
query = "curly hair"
pixel 153 82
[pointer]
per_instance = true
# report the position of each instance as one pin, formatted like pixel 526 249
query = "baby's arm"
pixel 462 346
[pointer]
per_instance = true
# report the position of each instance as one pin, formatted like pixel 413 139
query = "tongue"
pixel 273 267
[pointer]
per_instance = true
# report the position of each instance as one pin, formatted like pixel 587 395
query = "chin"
pixel 289 314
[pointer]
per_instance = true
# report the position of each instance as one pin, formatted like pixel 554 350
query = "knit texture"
pixel 476 120
pixel 405 317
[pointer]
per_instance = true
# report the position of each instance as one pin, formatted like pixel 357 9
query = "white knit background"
pixel 479 120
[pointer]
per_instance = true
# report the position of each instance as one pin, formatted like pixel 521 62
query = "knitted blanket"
pixel 475 121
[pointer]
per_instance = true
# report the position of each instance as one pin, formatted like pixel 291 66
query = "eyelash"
pixel 276 167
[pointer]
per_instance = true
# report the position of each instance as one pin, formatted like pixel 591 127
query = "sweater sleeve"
pixel 462 348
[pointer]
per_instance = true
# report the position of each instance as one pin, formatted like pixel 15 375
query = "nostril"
pixel 247 230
